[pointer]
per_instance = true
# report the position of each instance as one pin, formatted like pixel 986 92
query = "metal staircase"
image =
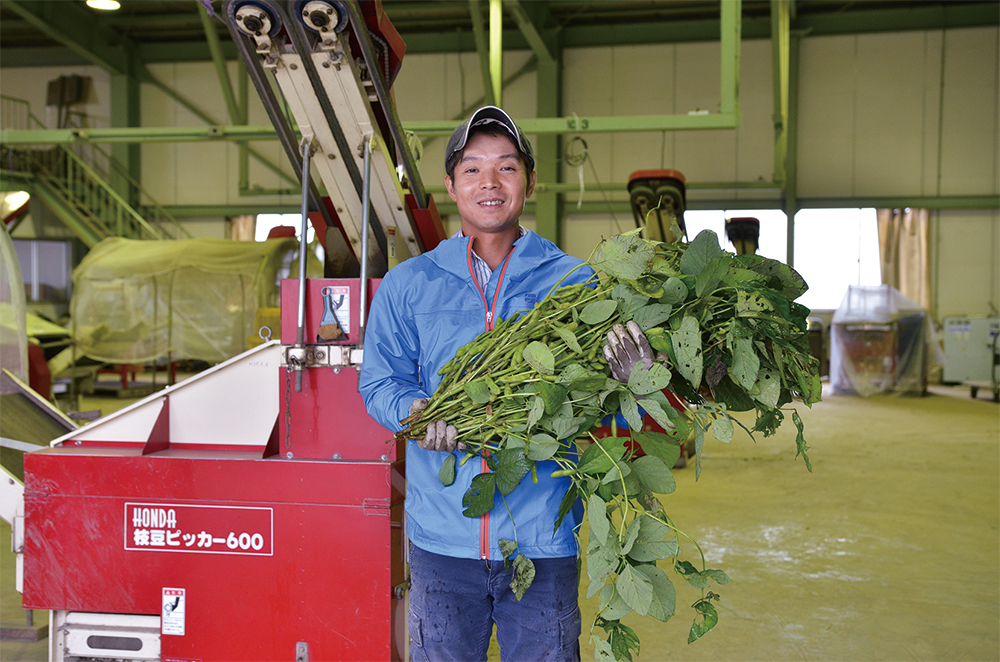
pixel 75 190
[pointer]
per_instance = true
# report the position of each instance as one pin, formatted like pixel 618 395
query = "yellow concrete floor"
pixel 889 550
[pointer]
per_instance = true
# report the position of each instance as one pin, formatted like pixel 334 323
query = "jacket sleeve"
pixel 390 376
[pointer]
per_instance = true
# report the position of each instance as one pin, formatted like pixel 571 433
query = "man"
pixel 424 311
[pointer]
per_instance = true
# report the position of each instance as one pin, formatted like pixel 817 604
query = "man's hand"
pixel 440 436
pixel 625 349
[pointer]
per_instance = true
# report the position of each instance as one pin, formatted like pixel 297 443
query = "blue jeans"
pixel 455 602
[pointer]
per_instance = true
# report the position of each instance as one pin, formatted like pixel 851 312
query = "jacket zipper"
pixel 484 520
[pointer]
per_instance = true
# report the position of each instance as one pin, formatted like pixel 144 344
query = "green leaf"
pixel 510 467
pixel 598 311
pixel 566 505
pixel 617 473
pixel 478 391
pixel 700 252
pixel 674 291
pixel 601 455
pixel 630 410
pixel 631 535
pixel 447 472
pixel 659 413
pixel 767 389
pixel 542 447
pixel 636 590
pixel 745 363
pixel 699 444
pixel 602 649
pixel 687 349
pixel 565 427
pixel 800 441
pixel 651 529
pixel 478 499
pixel 651 315
pixel 539 357
pixel 709 616
pixel 645 552
pixel 602 559
pixel 751 304
pixel 734 397
pixel 664 600
pixel 513 441
pixel 507 547
pixel 710 276
pixel 719 576
pixel 624 257
pixel 666 448
pixel 792 284
pixel 643 381
pixel 722 429
pixel 536 411
pixel 577 378
pixel 569 338
pixel 524 574
pixel 552 395
pixel 654 474
pixel 597 515
pixel 629 301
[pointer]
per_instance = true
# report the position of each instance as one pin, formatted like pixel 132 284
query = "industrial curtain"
pixel 903 237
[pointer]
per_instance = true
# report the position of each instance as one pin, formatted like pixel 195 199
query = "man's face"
pixel 490 184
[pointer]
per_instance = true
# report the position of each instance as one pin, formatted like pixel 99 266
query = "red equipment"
pixel 279 541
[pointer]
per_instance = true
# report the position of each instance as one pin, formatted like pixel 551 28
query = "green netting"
pixel 136 301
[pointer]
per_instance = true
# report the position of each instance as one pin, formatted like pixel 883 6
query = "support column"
pixel 548 211
pixel 792 134
pixel 125 112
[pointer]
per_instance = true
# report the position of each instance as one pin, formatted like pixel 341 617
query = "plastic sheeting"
pixel 136 301
pixel 13 333
pixel 881 342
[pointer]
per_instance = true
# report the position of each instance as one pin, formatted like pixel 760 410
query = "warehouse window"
pixel 265 222
pixel 773 242
pixel 835 248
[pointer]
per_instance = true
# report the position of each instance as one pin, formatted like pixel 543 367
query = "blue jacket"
pixel 425 309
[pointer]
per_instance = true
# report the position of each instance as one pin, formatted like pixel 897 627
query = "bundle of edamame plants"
pixel 729 338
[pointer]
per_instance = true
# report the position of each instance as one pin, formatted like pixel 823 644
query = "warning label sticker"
pixel 172 614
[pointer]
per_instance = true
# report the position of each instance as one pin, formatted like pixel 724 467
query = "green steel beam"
pixel 496 51
pixel 931 17
pixel 610 124
pixel 136 135
pixel 791 182
pixel 482 50
pixel 218 59
pixel 548 84
pixel 897 202
pixel 125 113
pixel 729 43
pixel 77 29
pixel 780 25
pixel 211 211
pixel 530 32
pixel 568 207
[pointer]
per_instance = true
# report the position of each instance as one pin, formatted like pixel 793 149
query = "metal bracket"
pixel 17 535
pixel 322 356
pixel 301 651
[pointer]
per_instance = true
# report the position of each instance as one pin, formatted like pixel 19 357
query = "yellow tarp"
pixel 136 301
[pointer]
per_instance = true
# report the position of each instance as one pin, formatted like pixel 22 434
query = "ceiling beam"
pixel 78 30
